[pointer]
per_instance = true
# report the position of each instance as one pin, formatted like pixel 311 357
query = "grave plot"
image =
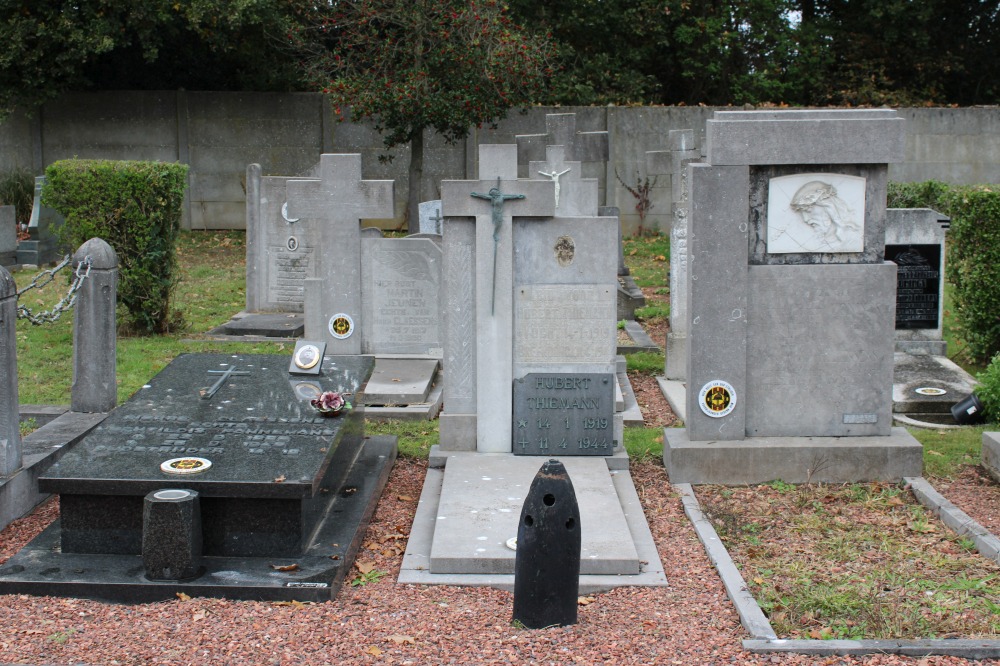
pixel 267 498
pixel 530 356
pixel 791 304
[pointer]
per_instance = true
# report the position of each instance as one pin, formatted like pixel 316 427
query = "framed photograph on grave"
pixel 307 359
pixel 816 212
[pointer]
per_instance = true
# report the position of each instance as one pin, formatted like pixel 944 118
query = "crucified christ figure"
pixel 497 198
pixel 554 176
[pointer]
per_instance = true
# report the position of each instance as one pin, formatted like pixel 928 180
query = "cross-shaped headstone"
pixel 494 296
pixel 340 199
pixel 560 130
pixel 575 196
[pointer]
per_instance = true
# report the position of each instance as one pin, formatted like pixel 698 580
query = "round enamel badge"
pixel 341 325
pixel 930 390
pixel 717 398
pixel 185 465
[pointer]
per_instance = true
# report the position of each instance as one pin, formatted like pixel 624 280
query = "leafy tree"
pixel 54 46
pixel 411 65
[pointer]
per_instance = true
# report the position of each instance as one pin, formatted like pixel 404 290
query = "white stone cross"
pixel 494 319
pixel 341 199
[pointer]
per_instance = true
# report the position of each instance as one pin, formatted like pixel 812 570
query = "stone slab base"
pixel 641 342
pixel 991 454
pixel 418 411
pixel 40 569
pixel 630 297
pixel 921 371
pixel 40 449
pixel 792 459
pixel 263 324
pixel 401 381
pixel 417 567
pixel 675 392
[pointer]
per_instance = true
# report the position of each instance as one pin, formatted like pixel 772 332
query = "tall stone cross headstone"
pixel 338 200
pixel 574 195
pixel 478 256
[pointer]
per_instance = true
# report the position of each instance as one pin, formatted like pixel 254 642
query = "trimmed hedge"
pixel 988 390
pixel 973 255
pixel 136 207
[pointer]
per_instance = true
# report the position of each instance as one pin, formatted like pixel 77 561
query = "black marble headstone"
pixel 918 284
pixel 564 414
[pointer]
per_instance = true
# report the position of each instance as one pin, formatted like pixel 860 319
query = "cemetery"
pixel 513 431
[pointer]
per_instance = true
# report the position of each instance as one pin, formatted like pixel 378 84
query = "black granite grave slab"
pixel 918 284
pixel 263 324
pixel 316 574
pixel 276 475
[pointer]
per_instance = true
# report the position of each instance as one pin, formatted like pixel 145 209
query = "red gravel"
pixel 976 493
pixel 689 622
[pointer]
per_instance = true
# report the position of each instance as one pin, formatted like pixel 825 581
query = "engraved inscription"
pixel 568 414
pixel 564 324
pixel 406 296
pixel 287 271
pixel 918 282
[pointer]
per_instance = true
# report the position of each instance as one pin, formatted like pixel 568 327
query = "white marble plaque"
pixel 816 212
pixel 561 323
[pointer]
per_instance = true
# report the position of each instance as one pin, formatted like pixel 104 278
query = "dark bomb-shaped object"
pixel 547 560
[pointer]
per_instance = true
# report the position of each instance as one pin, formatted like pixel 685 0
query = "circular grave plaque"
pixel 717 398
pixel 930 390
pixel 185 465
pixel 341 325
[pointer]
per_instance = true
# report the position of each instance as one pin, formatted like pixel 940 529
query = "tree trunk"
pixel 415 177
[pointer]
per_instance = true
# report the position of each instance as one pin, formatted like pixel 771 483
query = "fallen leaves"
pixel 401 640
pixel 285 567
pixel 279 479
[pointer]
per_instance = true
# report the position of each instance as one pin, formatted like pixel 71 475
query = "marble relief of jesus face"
pixel 815 213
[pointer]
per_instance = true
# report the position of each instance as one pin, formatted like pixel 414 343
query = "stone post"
pixel 94 337
pixel 10 434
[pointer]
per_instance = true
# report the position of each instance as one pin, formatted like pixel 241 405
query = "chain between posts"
pixel 66 303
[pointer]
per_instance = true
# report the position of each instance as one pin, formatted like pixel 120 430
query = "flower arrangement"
pixel 330 403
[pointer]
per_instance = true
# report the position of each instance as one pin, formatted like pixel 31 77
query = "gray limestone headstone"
pixel 574 195
pixel 10 434
pixel 401 296
pixel 42 246
pixel 490 305
pixel 591 149
pixel 281 251
pixel 338 200
pixel 430 217
pixel 8 236
pixel 914 241
pixel 790 334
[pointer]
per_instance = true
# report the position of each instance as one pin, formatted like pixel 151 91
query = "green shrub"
pixel 988 390
pixel 928 194
pixel 17 188
pixel 136 208
pixel 973 266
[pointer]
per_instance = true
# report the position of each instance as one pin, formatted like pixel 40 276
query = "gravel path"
pixel 690 622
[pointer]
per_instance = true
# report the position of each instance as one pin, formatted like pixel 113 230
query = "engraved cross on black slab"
pixel 231 371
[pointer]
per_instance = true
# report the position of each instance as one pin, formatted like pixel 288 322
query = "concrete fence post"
pixel 10 433
pixel 95 388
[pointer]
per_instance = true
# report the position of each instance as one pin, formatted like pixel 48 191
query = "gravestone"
pixel 430 217
pixel 42 246
pixel 268 470
pixel 338 200
pixel 8 236
pixel 281 250
pixel 591 149
pixel 575 196
pixel 682 152
pixel 914 241
pixel 400 293
pixel 791 304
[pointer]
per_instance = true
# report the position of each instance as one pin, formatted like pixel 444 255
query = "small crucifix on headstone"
pixel 231 371
pixel 497 198
pixel 437 221
pixel 575 196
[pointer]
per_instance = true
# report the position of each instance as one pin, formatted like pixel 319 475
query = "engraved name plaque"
pixel 564 414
